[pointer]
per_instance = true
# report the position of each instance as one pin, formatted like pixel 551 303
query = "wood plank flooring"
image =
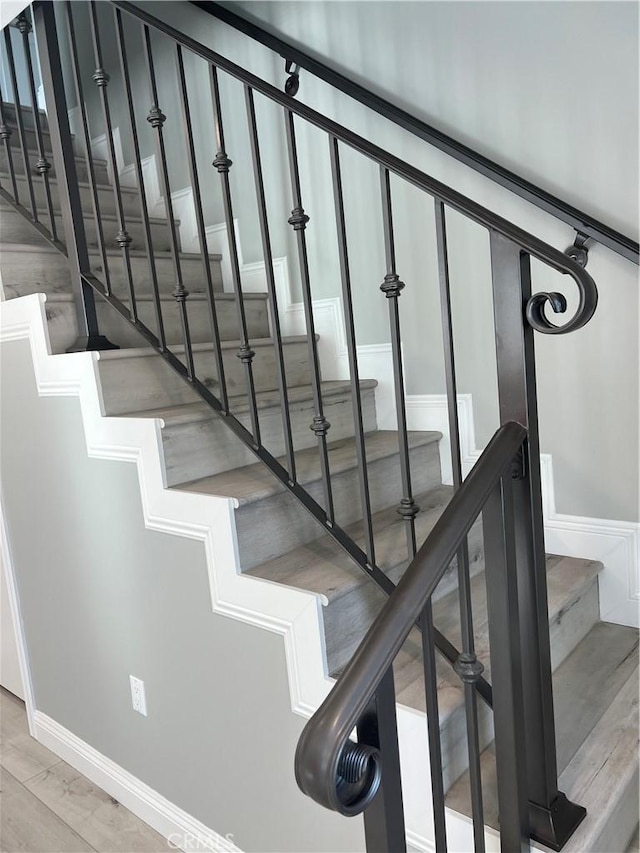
pixel 48 807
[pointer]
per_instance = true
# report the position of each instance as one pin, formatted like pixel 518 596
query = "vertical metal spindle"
pixel 347 303
pixel 89 337
pixel 468 667
pixel 22 136
pixel 384 818
pixel 42 165
pixel 506 668
pixel 101 79
pixel 553 817
pixel 433 728
pixel 298 221
pixel 124 67
pixel 5 134
pixel 202 234
pixel 392 286
pixel 156 119
pixel 222 164
pixel 86 135
pixel 271 283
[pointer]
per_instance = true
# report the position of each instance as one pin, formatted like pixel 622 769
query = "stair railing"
pixel 352 777
pixel 513 528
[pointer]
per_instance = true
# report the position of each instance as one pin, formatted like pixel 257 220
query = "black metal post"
pixel 86 135
pixel 6 134
pixel 298 221
pixel 384 818
pixel 433 728
pixel 553 818
pixel 347 304
pixel 392 287
pixel 468 667
pixel 42 165
pixel 506 668
pixel 89 337
pixel 274 315
pixel 222 163
pixel 22 136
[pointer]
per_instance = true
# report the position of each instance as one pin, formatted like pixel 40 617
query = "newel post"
pixel 89 337
pixel 552 817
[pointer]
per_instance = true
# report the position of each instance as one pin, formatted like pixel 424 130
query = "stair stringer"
pixel 292 613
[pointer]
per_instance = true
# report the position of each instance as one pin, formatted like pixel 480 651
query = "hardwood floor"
pixel 48 807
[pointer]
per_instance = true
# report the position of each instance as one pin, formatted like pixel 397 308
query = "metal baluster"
pixel 384 827
pixel 202 234
pixel 392 287
pixel 433 728
pixel 101 79
pixel 5 134
pixel 468 667
pixel 77 79
pixel 553 817
pixel 43 165
pixel 124 67
pixel 20 122
pixel 89 337
pixel 506 668
pixel 347 302
pixel 271 283
pixel 156 119
pixel 222 164
pixel 298 221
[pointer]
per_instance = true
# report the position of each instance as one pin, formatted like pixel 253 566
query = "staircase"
pixel 595 664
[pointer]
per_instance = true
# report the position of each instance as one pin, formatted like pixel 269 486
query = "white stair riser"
pixel 106 196
pixel 277 524
pixel 141 383
pixel 47 271
pixel 61 318
pixel 205 448
pixel 16 229
pixel 100 167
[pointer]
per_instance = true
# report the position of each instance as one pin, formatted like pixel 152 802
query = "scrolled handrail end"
pixel 535 313
pixel 344 780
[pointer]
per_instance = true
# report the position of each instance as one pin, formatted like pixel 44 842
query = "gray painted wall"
pixel 102 597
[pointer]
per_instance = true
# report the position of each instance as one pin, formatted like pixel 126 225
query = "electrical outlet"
pixel 138 698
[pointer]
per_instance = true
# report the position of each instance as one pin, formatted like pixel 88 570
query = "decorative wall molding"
pixel 182 830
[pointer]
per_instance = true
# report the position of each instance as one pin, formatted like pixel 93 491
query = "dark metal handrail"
pixel 583 223
pixel 588 296
pixel 325 736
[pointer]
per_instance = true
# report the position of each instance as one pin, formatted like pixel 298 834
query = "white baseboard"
pixel 182 830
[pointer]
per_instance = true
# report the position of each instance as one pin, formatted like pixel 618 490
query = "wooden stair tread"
pixel 43 215
pixel 5 178
pixel 255 482
pixel 567 580
pixel 196 412
pixel 170 299
pixel 178 349
pixel 323 567
pixel 47 249
pixel 596 710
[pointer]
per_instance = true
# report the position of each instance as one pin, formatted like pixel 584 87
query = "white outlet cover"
pixel 138 697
